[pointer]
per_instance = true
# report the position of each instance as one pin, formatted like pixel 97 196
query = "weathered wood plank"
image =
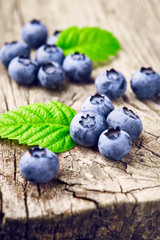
pixel 91 198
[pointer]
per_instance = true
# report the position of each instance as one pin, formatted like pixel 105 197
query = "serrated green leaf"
pixel 96 43
pixel 46 125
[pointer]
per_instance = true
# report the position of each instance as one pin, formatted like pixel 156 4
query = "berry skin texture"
pixel 111 83
pixel 98 103
pixel 145 83
pixel 11 50
pixel 34 33
pixel 39 165
pixel 23 70
pixel 78 67
pixel 86 127
pixel 51 75
pixel 127 120
pixel 53 38
pixel 49 53
pixel 114 143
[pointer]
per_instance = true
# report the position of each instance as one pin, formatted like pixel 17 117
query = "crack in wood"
pixel 26 209
pixel 15 165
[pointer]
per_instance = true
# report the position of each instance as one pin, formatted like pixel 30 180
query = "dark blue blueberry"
pixel 39 165
pixel 51 75
pixel 49 53
pixel 111 83
pixel 114 143
pixel 127 120
pixel 11 50
pixel 23 70
pixel 86 127
pixel 78 67
pixel 98 103
pixel 145 83
pixel 53 38
pixel 34 33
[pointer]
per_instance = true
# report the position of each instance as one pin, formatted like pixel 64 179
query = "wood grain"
pixel 91 197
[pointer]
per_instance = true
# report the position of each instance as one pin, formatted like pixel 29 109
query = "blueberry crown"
pixel 78 56
pixel 130 113
pixel 13 42
pixel 49 68
pixel 112 74
pixel 50 48
pixel 56 32
pixel 35 21
pixel 87 121
pixel 97 99
pixel 147 71
pixel 24 60
pixel 113 133
pixel 37 152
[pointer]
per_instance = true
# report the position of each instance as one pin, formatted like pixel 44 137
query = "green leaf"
pixel 46 125
pixel 96 43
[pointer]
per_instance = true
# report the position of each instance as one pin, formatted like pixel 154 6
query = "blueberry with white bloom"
pixel 111 83
pixel 53 38
pixel 78 67
pixel 98 103
pixel 49 53
pixel 114 143
pixel 145 83
pixel 51 75
pixel 34 33
pixel 86 127
pixel 127 120
pixel 23 70
pixel 11 50
pixel 39 165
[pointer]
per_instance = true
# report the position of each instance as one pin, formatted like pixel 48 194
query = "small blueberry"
pixel 49 53
pixel 34 33
pixel 127 120
pixel 39 165
pixel 53 38
pixel 98 103
pixel 114 143
pixel 86 127
pixel 51 75
pixel 23 70
pixel 111 83
pixel 12 50
pixel 145 83
pixel 78 67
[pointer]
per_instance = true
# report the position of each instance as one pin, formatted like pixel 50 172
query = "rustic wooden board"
pixel 92 197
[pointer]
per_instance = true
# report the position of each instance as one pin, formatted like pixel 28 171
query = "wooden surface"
pixel 92 197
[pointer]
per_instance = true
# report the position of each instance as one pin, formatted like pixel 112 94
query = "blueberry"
pixel 114 143
pixel 53 38
pixel 98 103
pixel 78 67
pixel 39 165
pixel 145 83
pixel 34 33
pixel 23 70
pixel 49 53
pixel 127 120
pixel 86 127
pixel 111 83
pixel 12 50
pixel 51 75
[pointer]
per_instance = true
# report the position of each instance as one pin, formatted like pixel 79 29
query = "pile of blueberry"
pixel 98 124
pixel 50 65
pixel 145 83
